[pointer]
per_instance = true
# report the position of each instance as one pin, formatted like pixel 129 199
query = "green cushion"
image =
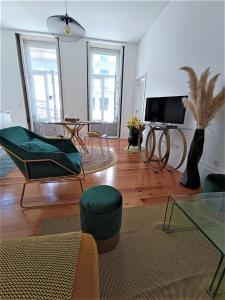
pixel 101 211
pixel 39 146
pixel 75 157
pixel 101 199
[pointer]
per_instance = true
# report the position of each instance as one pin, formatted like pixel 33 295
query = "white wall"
pixel 74 80
pixel 11 89
pixel 187 33
pixel 128 96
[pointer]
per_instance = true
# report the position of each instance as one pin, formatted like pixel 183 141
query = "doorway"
pixel 104 102
pixel 140 99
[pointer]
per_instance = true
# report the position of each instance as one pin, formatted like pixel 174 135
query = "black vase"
pixel 191 178
pixel 133 138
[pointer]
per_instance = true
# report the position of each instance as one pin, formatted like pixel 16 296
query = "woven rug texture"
pixel 133 149
pixel 6 166
pixel 149 263
pixel 95 160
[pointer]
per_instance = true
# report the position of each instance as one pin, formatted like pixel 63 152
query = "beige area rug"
pixel 95 160
pixel 149 263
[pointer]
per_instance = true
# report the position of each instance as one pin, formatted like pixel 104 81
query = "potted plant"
pixel 203 105
pixel 134 125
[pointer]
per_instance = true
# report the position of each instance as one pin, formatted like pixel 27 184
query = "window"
pixel 42 81
pixel 104 64
pixel 106 104
pixel 93 103
pixel 105 71
pixel 104 58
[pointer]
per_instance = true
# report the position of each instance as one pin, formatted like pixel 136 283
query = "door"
pixel 42 82
pixel 140 101
pixel 105 88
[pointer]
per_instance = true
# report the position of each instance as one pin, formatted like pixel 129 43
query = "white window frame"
pixel 46 42
pixel 105 48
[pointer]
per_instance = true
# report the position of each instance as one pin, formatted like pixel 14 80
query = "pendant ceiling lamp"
pixel 65 27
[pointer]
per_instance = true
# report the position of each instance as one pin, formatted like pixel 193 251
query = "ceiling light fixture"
pixel 65 27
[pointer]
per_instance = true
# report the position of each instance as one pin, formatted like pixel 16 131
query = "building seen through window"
pixel 43 81
pixel 104 85
pixel 104 72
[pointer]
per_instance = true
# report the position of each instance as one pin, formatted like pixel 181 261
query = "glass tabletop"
pixel 67 122
pixel 207 212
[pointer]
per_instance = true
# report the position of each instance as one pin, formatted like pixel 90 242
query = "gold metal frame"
pixel 151 142
pixel 75 135
pixel 184 142
pixel 73 176
pixel 150 146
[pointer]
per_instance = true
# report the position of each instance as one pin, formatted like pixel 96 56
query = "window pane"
pixel 39 86
pixel 43 59
pixel 97 95
pixel 42 70
pixel 103 64
pixel 109 93
pixel 106 104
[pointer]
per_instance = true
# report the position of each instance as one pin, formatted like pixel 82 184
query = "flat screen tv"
pixel 165 110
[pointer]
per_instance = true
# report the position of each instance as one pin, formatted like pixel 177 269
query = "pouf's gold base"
pixel 107 245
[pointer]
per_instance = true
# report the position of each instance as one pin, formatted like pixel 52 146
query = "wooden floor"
pixel 137 183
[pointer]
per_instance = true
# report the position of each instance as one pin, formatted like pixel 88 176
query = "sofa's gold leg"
pixel 22 195
pixel 45 205
pixel 81 186
pixel 82 168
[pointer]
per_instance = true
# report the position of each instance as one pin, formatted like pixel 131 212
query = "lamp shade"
pixel 65 27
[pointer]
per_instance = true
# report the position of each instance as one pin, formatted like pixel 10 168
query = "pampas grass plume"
pixel 203 104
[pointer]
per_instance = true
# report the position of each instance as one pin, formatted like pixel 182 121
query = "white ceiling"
pixel 125 21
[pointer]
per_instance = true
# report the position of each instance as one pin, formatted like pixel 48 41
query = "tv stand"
pixel 162 125
pixel 171 126
pixel 157 153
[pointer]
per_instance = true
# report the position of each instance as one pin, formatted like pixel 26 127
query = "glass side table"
pixel 207 213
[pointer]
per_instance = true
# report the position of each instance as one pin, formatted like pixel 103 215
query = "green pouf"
pixel 101 215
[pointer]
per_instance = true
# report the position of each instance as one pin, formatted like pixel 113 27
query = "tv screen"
pixel 165 110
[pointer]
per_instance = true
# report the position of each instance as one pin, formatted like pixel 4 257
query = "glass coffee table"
pixel 207 213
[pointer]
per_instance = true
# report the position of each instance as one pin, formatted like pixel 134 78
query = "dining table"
pixel 74 127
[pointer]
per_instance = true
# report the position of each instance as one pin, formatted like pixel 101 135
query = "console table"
pixel 157 153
